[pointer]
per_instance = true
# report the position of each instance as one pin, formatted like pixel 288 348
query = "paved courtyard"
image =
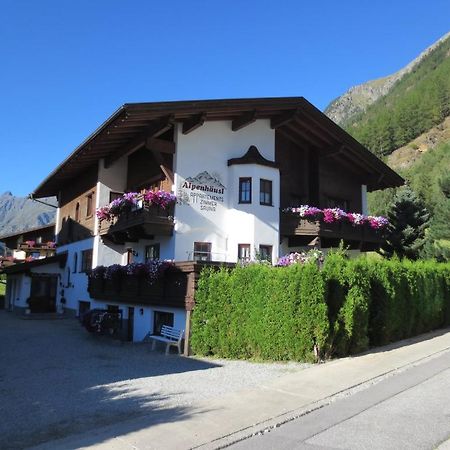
pixel 57 380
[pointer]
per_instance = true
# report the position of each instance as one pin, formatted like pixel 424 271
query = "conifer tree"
pixel 408 219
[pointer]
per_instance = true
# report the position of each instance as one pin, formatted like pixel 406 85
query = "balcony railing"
pixel 175 288
pixel 291 225
pixel 36 246
pixel 142 222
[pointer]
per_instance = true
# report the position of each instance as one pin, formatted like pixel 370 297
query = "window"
pixel 77 213
pixel 245 190
pixel 75 262
pixel 130 254
pixel 243 252
pixel 161 318
pixel 265 192
pixel 114 196
pixel 265 253
pixel 202 251
pixel 89 205
pixel 151 252
pixel 332 202
pixel 86 260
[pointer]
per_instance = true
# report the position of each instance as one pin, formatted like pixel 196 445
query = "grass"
pixel 2 286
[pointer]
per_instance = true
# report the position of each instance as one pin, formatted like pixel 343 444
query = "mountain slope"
pixel 358 98
pixel 20 214
pixel 415 103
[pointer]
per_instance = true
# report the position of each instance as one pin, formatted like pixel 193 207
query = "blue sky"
pixel 67 65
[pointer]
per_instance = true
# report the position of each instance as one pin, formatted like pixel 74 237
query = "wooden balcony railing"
pixel 141 223
pixel 291 225
pixel 176 287
pixel 26 246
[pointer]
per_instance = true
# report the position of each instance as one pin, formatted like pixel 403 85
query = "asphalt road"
pixel 409 410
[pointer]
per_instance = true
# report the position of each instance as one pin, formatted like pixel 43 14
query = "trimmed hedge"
pixel 284 313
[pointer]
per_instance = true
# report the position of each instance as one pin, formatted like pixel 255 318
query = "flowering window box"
pixel 307 222
pixel 138 216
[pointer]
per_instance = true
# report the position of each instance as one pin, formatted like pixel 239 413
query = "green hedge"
pixel 282 313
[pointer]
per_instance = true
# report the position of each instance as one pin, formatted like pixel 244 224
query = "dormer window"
pixel 245 190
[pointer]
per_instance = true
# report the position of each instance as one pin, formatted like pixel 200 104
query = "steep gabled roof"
pixel 294 117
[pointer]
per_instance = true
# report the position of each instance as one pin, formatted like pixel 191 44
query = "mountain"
pixel 413 104
pixel 20 213
pixel 405 120
pixel 358 98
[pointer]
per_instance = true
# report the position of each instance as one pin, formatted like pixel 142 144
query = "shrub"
pixel 284 313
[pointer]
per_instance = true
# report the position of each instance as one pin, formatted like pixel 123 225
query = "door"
pixel 43 293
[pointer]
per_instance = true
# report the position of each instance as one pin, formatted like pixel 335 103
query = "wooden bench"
pixel 171 336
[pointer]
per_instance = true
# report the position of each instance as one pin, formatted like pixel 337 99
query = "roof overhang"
pixel 295 117
pixel 29 230
pixel 60 258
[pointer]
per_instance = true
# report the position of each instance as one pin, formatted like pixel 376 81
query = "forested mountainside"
pixel 417 102
pixel 19 213
pixel 409 127
pixel 357 99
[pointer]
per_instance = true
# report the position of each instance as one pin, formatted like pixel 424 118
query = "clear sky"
pixel 67 65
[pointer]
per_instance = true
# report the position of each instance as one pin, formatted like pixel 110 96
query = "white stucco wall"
pixel 143 324
pixel 73 287
pixel 17 291
pixel 208 149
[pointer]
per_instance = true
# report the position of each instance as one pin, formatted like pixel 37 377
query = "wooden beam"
pixel 193 123
pixel 160 145
pixel 243 120
pixel 335 151
pixel 283 119
pixel 306 136
pixel 298 140
pixel 167 171
pixel 155 129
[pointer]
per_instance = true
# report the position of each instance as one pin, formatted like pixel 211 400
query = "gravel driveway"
pixel 57 379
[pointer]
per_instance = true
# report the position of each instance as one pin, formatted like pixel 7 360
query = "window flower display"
pixel 332 215
pixel 131 200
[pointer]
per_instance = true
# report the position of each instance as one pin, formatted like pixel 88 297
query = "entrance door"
pixel 130 327
pixel 43 293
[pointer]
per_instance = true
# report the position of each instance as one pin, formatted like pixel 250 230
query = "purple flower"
pixel 356 218
pixel 378 222
pixel 331 215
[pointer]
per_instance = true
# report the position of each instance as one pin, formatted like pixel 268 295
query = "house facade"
pixel 234 166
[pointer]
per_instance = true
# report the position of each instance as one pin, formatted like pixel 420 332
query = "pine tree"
pixel 408 221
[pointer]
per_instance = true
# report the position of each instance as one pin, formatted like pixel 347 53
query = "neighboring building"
pixel 32 267
pixel 232 165
pixel 35 243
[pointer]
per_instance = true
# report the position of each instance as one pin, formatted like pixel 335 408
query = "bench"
pixel 171 336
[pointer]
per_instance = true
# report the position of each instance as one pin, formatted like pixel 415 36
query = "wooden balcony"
pixel 176 288
pixel 44 246
pixel 142 223
pixel 303 232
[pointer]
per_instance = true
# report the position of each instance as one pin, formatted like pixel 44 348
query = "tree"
pixel 408 220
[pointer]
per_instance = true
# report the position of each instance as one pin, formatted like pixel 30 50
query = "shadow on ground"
pixel 57 380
